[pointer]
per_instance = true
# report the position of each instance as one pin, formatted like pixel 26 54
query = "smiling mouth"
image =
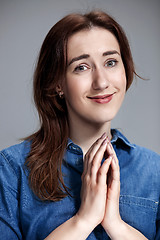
pixel 102 98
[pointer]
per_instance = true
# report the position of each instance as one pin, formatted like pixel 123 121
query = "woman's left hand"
pixel 114 226
pixel 112 217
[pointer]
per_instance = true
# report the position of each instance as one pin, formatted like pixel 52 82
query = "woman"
pixel 76 178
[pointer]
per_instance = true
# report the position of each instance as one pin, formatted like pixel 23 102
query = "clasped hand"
pixel 100 187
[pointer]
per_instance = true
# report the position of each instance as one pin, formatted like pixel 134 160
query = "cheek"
pixel 124 80
pixel 72 91
pixel 121 80
pixel 69 86
pixel 76 86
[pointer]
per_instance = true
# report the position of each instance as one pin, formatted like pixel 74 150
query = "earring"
pixel 61 94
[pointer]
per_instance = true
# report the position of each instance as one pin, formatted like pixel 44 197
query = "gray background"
pixel 23 26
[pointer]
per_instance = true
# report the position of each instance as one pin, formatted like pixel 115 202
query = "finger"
pixel 102 173
pixel 91 153
pixel 114 181
pixel 114 173
pixel 115 169
pixel 95 165
pixel 93 149
pixel 110 150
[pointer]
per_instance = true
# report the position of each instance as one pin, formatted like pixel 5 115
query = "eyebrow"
pixel 85 56
pixel 110 53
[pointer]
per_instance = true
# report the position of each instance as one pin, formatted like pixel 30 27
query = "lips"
pixel 102 98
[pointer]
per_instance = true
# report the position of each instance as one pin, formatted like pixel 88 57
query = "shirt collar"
pixel 116 136
pixel 69 142
pixel 73 147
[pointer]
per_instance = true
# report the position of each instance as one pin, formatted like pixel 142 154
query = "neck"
pixel 85 135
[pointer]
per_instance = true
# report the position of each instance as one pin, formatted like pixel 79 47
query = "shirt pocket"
pixel 140 213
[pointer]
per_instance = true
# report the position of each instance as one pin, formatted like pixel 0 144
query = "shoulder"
pixel 15 156
pixel 147 156
pixel 146 153
pixel 134 153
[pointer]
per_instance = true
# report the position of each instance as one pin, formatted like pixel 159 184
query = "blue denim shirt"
pixel 24 216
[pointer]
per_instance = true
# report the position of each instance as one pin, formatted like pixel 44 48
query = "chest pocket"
pixel 140 213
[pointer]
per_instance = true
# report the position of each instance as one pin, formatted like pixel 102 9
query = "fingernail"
pixel 103 136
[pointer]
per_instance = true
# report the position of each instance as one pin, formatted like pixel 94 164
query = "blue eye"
pixel 111 63
pixel 80 68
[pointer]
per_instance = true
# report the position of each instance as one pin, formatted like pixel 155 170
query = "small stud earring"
pixel 61 94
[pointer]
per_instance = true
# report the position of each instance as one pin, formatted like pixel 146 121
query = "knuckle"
pixel 86 178
pixel 101 171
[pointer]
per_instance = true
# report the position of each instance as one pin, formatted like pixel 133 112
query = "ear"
pixel 58 88
pixel 59 91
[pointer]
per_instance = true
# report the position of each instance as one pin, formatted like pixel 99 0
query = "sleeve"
pixel 9 200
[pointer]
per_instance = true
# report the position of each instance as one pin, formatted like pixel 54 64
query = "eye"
pixel 80 68
pixel 111 63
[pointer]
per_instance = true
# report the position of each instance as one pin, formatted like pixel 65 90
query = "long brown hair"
pixel 48 144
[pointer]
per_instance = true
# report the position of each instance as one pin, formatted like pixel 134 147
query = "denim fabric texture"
pixel 24 216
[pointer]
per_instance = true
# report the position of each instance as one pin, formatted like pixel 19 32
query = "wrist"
pixel 123 231
pixel 120 232
pixel 83 225
pixel 115 229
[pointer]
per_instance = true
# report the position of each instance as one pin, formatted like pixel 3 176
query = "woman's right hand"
pixel 94 184
pixel 93 195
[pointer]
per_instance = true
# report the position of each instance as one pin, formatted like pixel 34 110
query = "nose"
pixel 100 79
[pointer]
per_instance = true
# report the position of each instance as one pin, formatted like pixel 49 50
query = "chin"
pixel 101 120
pixel 105 117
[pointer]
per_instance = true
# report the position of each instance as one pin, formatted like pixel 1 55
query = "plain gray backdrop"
pixel 23 27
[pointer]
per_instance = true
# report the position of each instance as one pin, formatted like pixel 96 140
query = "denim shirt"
pixel 24 216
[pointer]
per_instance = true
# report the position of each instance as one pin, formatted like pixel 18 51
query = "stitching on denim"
pixel 130 202
pixel 4 156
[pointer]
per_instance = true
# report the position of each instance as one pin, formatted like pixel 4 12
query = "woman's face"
pixel 95 82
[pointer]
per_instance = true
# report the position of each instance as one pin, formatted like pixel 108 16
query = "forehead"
pixel 94 40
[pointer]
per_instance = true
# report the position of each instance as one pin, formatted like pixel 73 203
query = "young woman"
pixel 76 178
